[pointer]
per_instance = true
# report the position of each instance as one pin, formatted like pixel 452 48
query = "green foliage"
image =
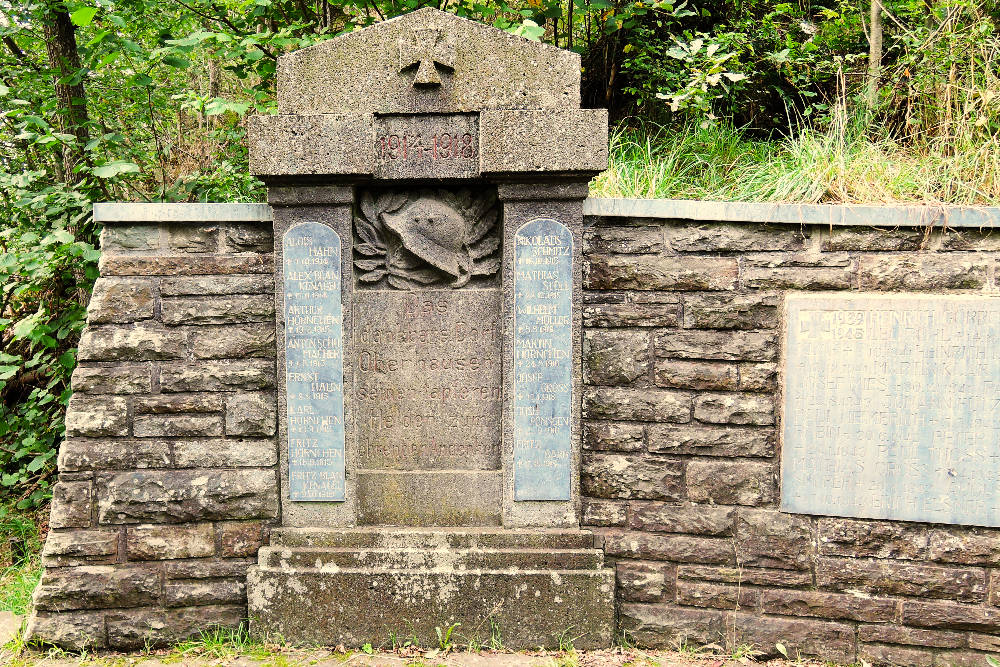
pixel 20 567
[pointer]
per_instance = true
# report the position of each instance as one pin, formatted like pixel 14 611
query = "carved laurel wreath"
pixel 387 254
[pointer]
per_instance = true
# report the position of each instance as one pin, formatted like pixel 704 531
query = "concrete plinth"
pixel 524 588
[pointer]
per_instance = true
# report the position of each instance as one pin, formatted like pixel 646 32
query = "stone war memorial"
pixel 430 384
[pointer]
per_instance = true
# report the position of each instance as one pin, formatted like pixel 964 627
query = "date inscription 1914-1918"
pixel 438 146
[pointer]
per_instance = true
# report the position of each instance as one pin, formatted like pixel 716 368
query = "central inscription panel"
pixel 427 379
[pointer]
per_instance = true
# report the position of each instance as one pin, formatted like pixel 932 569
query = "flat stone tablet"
pixel 314 362
pixel 892 408
pixel 543 360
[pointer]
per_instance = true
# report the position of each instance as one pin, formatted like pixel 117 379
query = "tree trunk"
pixel 874 53
pixel 64 60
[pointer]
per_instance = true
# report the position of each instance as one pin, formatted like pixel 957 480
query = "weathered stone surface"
pixel 247 237
pixel 774 540
pixel 120 300
pixel 903 656
pixel 71 505
pixel 74 631
pixel 833 641
pixel 758 377
pixel 543 140
pixel 613 436
pixel 162 627
pixel 789 602
pixel 889 577
pixel 688 519
pixel 900 634
pixel 117 379
pixel 132 236
pixel 637 240
pixel 251 414
pixel 677 548
pixel 872 239
pixel 730 238
pixel 143 341
pixel 640 581
pixel 217 453
pixel 207 569
pixel 717 596
pixel 798 278
pixel 923 272
pixel 232 342
pixel 155 542
pixel 179 496
pixel 658 405
pixel 966 546
pixel 311 144
pixel 660 272
pixel 630 315
pixel 186 237
pixel 163 404
pixel 97 586
pixel 746 575
pixel 236 309
pixel 752 409
pixel 983 642
pixel 950 616
pixel 151 426
pixel 184 265
pixel 623 476
pixel 209 285
pixel 730 311
pixel 429 497
pixel 603 513
pixel 681 374
pixel 240 539
pixel 217 375
pixel 725 345
pixel 90 454
pixel 80 547
pixel 104 416
pixel 879 539
pixel 215 591
pixel 732 482
pixel 616 358
pixel 668 626
pixel 710 440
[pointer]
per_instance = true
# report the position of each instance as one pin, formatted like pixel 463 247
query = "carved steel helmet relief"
pixel 426 238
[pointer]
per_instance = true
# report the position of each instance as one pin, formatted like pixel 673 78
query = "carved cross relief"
pixel 428 49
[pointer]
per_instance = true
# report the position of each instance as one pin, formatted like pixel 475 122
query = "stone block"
pixel 666 626
pixel 165 404
pixel 184 265
pixel 140 342
pixel 723 345
pixel 251 414
pixel 730 311
pixel 197 593
pixel 658 405
pixel 624 476
pixel 120 300
pixel 232 342
pixel 805 637
pixel 603 513
pixel 218 453
pixel 207 569
pixel 889 577
pixel 677 548
pixel 732 482
pixel 225 375
pixel 130 237
pixel 311 144
pixel 965 546
pixel 980 642
pixel 716 596
pixel 630 315
pixel 878 539
pixel 212 285
pixel 97 416
pixel 229 309
pixel 788 602
pixel 750 576
pixel 635 240
pixel 97 587
pixel 872 239
pixel 156 542
pixel 71 630
pixel 774 540
pixel 976 240
pixel 247 237
pixel 688 519
pixel 732 238
pixel 180 496
pixel 613 436
pixel 951 616
pixel 923 272
pixel 157 627
pixel 960 659
pixel 186 237
pixel 902 656
pixel 640 581
pixel 900 634
pixel 240 539
pixel 117 379
pixel 752 409
pixel 683 374
pixel 710 440
pixel 536 140
pixel 758 377
pixel 90 454
pixel 660 272
pixel 176 425
pixel 71 505
pixel 616 357
pixel 80 547
pixel 798 277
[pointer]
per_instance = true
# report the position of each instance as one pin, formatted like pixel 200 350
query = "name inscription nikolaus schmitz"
pixel 892 408
pixel 543 360
pixel 314 362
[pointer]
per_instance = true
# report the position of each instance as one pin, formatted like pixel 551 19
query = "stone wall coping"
pixel 709 211
pixel 183 212
pixel 870 215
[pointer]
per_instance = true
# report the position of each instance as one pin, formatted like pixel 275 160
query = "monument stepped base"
pixel 527 588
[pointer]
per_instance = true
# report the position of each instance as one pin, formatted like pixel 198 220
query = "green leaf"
pixel 83 16
pixel 3 90
pixel 141 80
pixel 176 61
pixel 112 169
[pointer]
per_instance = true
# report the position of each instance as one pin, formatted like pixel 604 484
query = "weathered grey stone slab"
pixel 891 407
pixel 517 141
pixel 429 146
pixel 427 379
pixel 543 360
pixel 311 144
pixel 314 362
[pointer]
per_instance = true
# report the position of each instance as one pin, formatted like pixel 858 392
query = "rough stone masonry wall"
pixel 681 456
pixel 167 478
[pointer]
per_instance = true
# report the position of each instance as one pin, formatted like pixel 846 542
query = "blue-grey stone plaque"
pixel 892 407
pixel 314 362
pixel 543 360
